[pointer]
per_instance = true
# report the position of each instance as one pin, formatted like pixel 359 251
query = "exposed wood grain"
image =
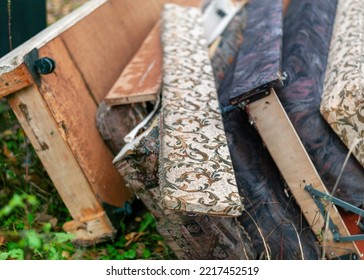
pixel 15 80
pixel 15 58
pixel 141 79
pixel 91 229
pixel 54 153
pixel 74 111
pixel 296 168
pixel 105 41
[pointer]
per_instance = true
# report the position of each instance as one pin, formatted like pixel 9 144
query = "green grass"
pixel 32 213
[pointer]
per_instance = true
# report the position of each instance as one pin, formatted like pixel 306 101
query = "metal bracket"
pixel 317 196
pixel 250 97
pixel 38 66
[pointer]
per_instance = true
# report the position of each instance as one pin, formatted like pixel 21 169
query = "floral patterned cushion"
pixel 196 173
pixel 342 103
pixel 190 237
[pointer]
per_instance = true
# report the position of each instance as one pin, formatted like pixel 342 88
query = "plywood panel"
pixel 104 42
pixel 141 79
pixel 14 80
pixel 74 110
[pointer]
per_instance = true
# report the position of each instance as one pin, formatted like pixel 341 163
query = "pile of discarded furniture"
pixel 238 124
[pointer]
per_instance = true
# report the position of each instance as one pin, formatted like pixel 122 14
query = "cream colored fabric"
pixel 196 173
pixel 343 98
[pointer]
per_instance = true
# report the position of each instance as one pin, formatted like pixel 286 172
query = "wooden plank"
pixel 104 42
pixel 141 79
pixel 91 229
pixel 286 149
pixel 74 111
pixel 14 80
pixel 14 58
pixel 54 153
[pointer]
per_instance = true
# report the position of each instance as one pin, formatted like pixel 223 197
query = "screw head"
pixel 44 65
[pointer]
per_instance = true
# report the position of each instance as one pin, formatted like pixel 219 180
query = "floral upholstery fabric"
pixel 196 173
pixel 342 102
pixel 270 216
pixel 190 237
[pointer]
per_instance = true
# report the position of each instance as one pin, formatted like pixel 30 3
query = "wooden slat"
pixel 55 154
pixel 103 43
pixel 14 58
pixel 74 110
pixel 91 230
pixel 15 80
pixel 296 167
pixel 141 79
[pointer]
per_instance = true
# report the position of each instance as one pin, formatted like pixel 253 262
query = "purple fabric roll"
pixel 259 58
pixel 307 33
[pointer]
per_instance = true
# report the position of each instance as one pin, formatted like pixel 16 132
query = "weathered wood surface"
pixel 295 165
pixel 14 80
pixel 59 161
pixel 141 80
pixel 65 95
pixel 90 47
pixel 16 57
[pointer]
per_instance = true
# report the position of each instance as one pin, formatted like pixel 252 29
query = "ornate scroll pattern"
pixel 190 237
pixel 342 102
pixel 196 173
pixel 305 52
pixel 259 61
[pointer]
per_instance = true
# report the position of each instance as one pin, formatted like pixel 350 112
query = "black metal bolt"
pixel 44 65
pixel 126 209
